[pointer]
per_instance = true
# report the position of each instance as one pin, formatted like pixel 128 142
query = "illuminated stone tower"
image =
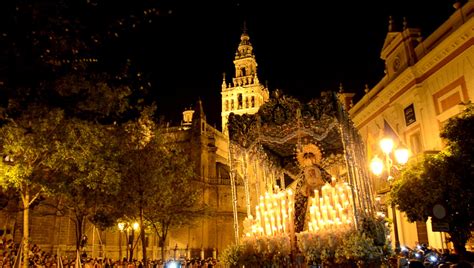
pixel 245 94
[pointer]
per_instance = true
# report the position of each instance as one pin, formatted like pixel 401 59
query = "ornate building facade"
pixel 426 82
pixel 245 94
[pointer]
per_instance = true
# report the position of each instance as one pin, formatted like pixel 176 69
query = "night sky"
pixel 300 48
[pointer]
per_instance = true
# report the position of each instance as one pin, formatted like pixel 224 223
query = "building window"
pixel 226 105
pixel 232 104
pixel 246 102
pixel 450 101
pixel 253 101
pixel 242 70
pixel 410 117
pixel 450 96
pixel 239 101
pixel 415 143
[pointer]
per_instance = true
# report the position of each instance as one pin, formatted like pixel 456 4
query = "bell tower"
pixel 245 94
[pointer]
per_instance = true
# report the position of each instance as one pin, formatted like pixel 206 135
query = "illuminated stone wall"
pixel 427 86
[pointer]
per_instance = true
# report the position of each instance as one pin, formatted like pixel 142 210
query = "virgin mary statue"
pixel 312 178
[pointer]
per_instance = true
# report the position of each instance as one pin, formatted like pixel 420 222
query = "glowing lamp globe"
pixel 401 155
pixel 376 165
pixel 387 145
pixel 135 226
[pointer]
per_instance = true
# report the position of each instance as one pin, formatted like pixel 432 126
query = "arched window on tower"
pixel 232 104
pixel 239 101
pixel 253 101
pixel 242 71
pixel 246 102
pixel 227 105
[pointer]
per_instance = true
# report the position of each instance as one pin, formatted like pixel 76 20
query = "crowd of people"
pixel 42 259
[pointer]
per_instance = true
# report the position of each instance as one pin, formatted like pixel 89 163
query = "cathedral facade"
pixel 208 235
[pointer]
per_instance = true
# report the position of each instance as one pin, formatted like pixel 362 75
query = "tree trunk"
pixel 162 246
pixel 459 244
pixel 142 234
pixel 130 245
pixel 79 231
pixel 26 227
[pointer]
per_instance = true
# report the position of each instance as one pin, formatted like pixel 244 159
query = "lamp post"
pixel 175 249
pixel 126 226
pixel 378 165
pixel 133 227
pixel 121 227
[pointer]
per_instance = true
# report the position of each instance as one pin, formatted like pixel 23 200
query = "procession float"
pixel 308 196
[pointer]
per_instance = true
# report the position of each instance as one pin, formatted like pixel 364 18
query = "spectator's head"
pixel 464 264
pixel 416 264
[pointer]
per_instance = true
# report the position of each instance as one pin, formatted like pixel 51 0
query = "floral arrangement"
pixel 232 254
pixel 366 245
pixel 358 248
pixel 259 251
pixel 346 245
pixel 320 247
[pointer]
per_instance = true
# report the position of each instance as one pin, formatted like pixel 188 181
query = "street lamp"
pixel 135 227
pixel 378 165
pixel 121 226
pixel 128 227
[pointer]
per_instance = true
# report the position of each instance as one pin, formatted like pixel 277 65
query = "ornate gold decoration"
pixel 309 155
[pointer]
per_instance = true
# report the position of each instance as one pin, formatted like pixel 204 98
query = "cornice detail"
pixel 413 75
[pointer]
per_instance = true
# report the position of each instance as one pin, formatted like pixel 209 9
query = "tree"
pixel 444 178
pixel 87 176
pixel 29 157
pixel 156 179
pixel 177 203
pixel 136 162
pixel 68 58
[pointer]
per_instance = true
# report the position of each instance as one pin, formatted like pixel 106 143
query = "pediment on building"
pixel 389 44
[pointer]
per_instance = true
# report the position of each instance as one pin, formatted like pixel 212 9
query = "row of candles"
pixel 274 214
pixel 330 208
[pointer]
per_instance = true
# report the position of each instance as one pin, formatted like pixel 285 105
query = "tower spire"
pixel 245 95
pixel 223 81
pixel 405 23
pixel 391 26
pixel 245 64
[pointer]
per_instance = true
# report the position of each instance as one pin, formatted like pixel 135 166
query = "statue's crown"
pixel 308 155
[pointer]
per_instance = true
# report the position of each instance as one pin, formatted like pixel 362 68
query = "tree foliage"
pixel 177 202
pixel 157 187
pixel 444 178
pixel 61 96
pixel 30 154
pixel 29 148
pixel 88 177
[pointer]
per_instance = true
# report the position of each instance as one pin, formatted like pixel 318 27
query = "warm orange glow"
pixel 387 145
pixel 273 215
pixel 135 226
pixel 331 208
pixel 376 165
pixel 401 155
